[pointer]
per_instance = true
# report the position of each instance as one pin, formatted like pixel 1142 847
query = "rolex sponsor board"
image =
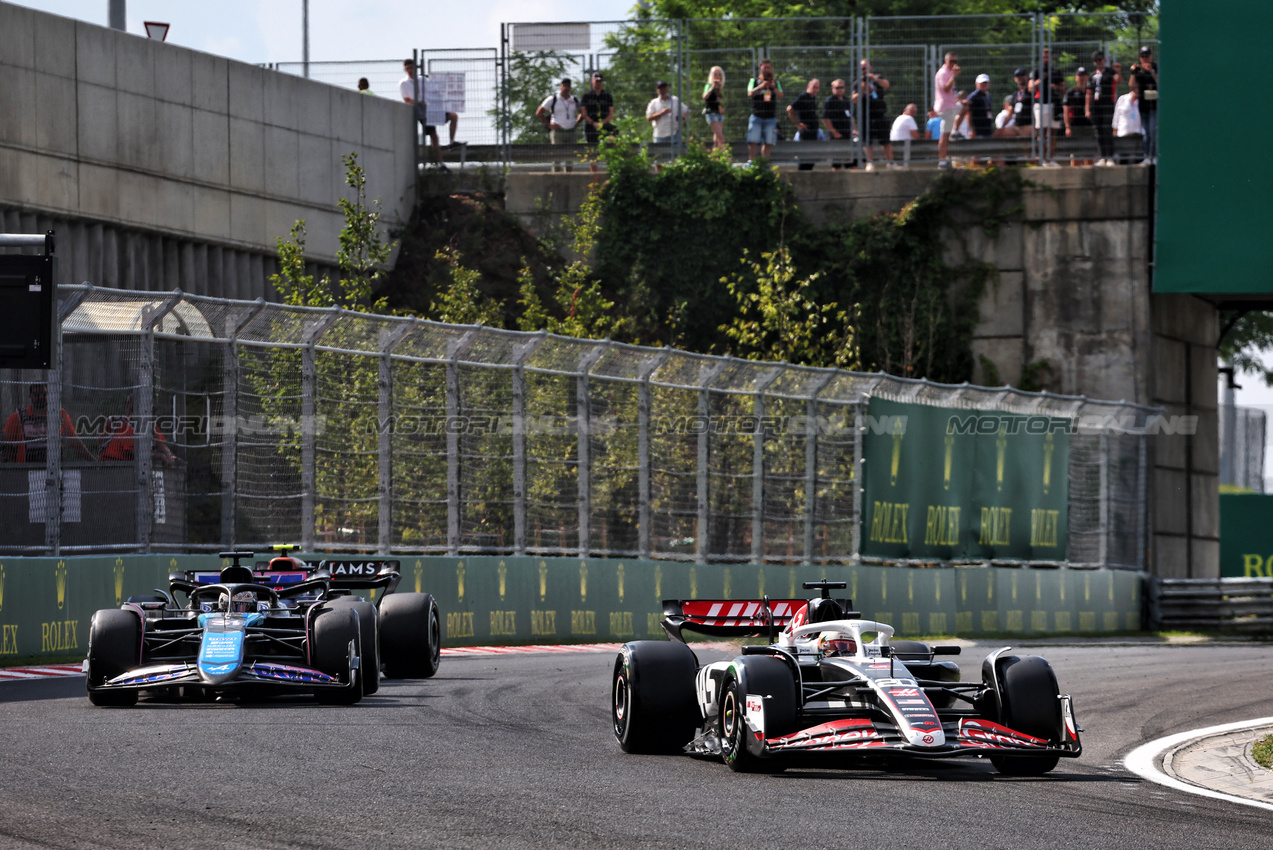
pixel 948 484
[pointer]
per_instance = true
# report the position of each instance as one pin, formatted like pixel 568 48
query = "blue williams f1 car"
pixel 830 682
pixel 287 627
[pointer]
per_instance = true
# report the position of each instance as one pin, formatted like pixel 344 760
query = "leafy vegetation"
pixel 1262 752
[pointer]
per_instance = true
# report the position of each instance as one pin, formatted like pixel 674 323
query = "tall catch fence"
pixel 1243 443
pixel 354 432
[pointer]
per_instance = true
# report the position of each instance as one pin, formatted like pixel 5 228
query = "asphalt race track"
pixel 517 752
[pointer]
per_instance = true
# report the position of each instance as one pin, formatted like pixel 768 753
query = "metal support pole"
pixel 812 428
pixel 644 372
pixel 455 348
pixel 384 481
pixel 859 471
pixel 583 423
pixel 758 468
pixel 1103 507
pixel 521 352
pixel 53 451
pixel 1142 504
pixel 144 424
pixel 230 426
pixel 706 376
pixel 309 430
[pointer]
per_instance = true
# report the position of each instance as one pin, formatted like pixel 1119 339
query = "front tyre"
pixel 652 704
pixel 410 635
pixel 369 640
pixel 1030 704
pixel 335 630
pixel 771 679
pixel 114 647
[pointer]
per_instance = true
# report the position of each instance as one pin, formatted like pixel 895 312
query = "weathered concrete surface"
pixel 1073 291
pixel 158 142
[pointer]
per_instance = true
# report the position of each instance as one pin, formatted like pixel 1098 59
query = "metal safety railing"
pixel 352 431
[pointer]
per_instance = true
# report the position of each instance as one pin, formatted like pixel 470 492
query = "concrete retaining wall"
pixel 142 137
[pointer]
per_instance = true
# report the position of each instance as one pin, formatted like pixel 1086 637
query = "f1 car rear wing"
pixel 728 617
pixel 289 574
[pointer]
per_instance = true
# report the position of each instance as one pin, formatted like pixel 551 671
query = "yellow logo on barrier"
pixel 760 582
pixel 899 430
pixel 459 579
pixel 503 577
pixel 543 580
pixel 60 575
pixel 658 582
pixel 419 574
pixel 619 571
pixel 1049 446
pixel 728 582
pixel 583 581
pixel 1 587
pixel 1002 445
pixel 950 461
pixel 693 583
pixel 119 581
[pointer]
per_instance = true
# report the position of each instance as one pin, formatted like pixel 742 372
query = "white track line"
pixel 1142 761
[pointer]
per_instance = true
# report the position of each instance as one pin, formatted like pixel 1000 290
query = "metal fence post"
pixel 521 352
pixel 144 427
pixel 758 467
pixel 583 423
pixel 859 469
pixel 455 348
pixel 309 403
pixel 1142 504
pixel 1103 507
pixel 644 515
pixel 384 454
pixel 230 425
pixel 53 451
pixel 812 428
pixel 706 376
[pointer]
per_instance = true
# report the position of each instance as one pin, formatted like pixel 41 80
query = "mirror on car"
pixel 946 650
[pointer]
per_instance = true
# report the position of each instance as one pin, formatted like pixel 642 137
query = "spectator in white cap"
pixel 979 110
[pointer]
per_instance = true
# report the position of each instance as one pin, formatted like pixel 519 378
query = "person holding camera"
pixel 1145 73
pixel 713 108
pixel 870 89
pixel 765 91
pixel 946 105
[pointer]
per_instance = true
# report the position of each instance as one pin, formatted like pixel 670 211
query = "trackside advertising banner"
pixel 47 604
pixel 948 484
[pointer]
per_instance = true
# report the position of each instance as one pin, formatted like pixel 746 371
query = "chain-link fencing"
pixel 354 432
pixel 1243 439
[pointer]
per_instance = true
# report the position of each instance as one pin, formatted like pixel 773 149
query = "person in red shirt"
pixel 26 431
pixel 120 444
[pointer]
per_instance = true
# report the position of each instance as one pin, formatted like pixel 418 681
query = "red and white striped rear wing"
pixel 728 617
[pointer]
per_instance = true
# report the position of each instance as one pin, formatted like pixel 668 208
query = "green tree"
pixel 1244 337
pixel 463 303
pixel 532 76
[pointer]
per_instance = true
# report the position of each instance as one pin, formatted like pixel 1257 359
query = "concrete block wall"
pixel 113 129
pixel 1073 290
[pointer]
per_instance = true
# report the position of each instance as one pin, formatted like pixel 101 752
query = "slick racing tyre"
pixel 1029 696
pixel 334 629
pixel 410 635
pixel 771 678
pixel 369 638
pixel 652 702
pixel 114 646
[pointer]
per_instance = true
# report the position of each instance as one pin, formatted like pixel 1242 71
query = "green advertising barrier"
pixel 46 603
pixel 947 484
pixel 1246 535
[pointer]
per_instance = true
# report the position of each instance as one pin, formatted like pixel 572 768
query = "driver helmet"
pixel 837 646
pixel 243 602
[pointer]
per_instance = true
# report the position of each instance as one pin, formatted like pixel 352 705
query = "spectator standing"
pixel 666 115
pixel 411 88
pixel 765 91
pixel 560 114
pixel 1006 119
pixel 713 107
pixel 979 110
pixel 837 117
pixel 597 107
pixel 803 112
pixel 1022 103
pixel 946 105
pixel 1047 83
pixel 1102 93
pixel 364 87
pixel 1077 124
pixel 870 88
pixel 26 430
pixel 1145 73
pixel 1127 114
pixel 120 444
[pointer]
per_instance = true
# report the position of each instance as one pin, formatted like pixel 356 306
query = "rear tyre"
pixel 768 677
pixel 369 640
pixel 334 630
pixel 410 635
pixel 114 647
pixel 1029 696
pixel 652 702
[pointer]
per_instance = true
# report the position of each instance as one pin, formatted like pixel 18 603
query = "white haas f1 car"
pixel 289 627
pixel 830 682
